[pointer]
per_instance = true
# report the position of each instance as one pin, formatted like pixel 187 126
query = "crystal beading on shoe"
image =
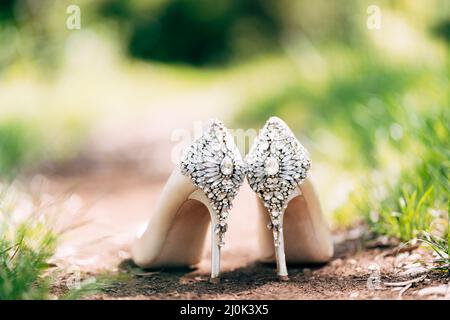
pixel 276 164
pixel 214 165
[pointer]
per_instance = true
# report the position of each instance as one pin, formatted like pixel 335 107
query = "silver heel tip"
pixel 283 278
pixel 214 280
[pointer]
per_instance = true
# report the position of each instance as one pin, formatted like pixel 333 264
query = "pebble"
pixel 336 263
pixel 412 266
pixel 413 271
pixel 402 256
pixel 373 267
pixel 414 257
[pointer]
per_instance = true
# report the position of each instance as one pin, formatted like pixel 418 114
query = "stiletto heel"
pixel 278 242
pixel 276 225
pixel 277 167
pixel 200 191
pixel 216 237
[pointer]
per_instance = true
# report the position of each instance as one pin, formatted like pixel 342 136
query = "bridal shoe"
pixel 199 191
pixel 292 227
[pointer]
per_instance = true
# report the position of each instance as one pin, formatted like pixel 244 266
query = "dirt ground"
pixel 341 279
pixel 108 194
pixel 114 206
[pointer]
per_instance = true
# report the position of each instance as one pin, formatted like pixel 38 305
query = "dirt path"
pixel 111 189
pixel 117 205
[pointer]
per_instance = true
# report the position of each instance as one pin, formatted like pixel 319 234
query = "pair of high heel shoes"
pixel 211 172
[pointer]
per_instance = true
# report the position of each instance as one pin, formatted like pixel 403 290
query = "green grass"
pixel 27 242
pixel 25 248
pixel 441 248
pixel 23 264
pixel 419 197
pixel 406 218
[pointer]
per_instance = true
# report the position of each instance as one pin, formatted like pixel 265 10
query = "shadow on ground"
pixel 343 278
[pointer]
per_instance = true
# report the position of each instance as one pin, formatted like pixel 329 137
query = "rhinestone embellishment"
pixel 226 166
pixel 271 166
pixel 277 164
pixel 214 165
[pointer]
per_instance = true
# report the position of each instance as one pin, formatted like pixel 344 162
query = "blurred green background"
pixel 371 105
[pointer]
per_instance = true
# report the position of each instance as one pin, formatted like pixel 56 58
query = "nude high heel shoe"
pixel 277 167
pixel 200 190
